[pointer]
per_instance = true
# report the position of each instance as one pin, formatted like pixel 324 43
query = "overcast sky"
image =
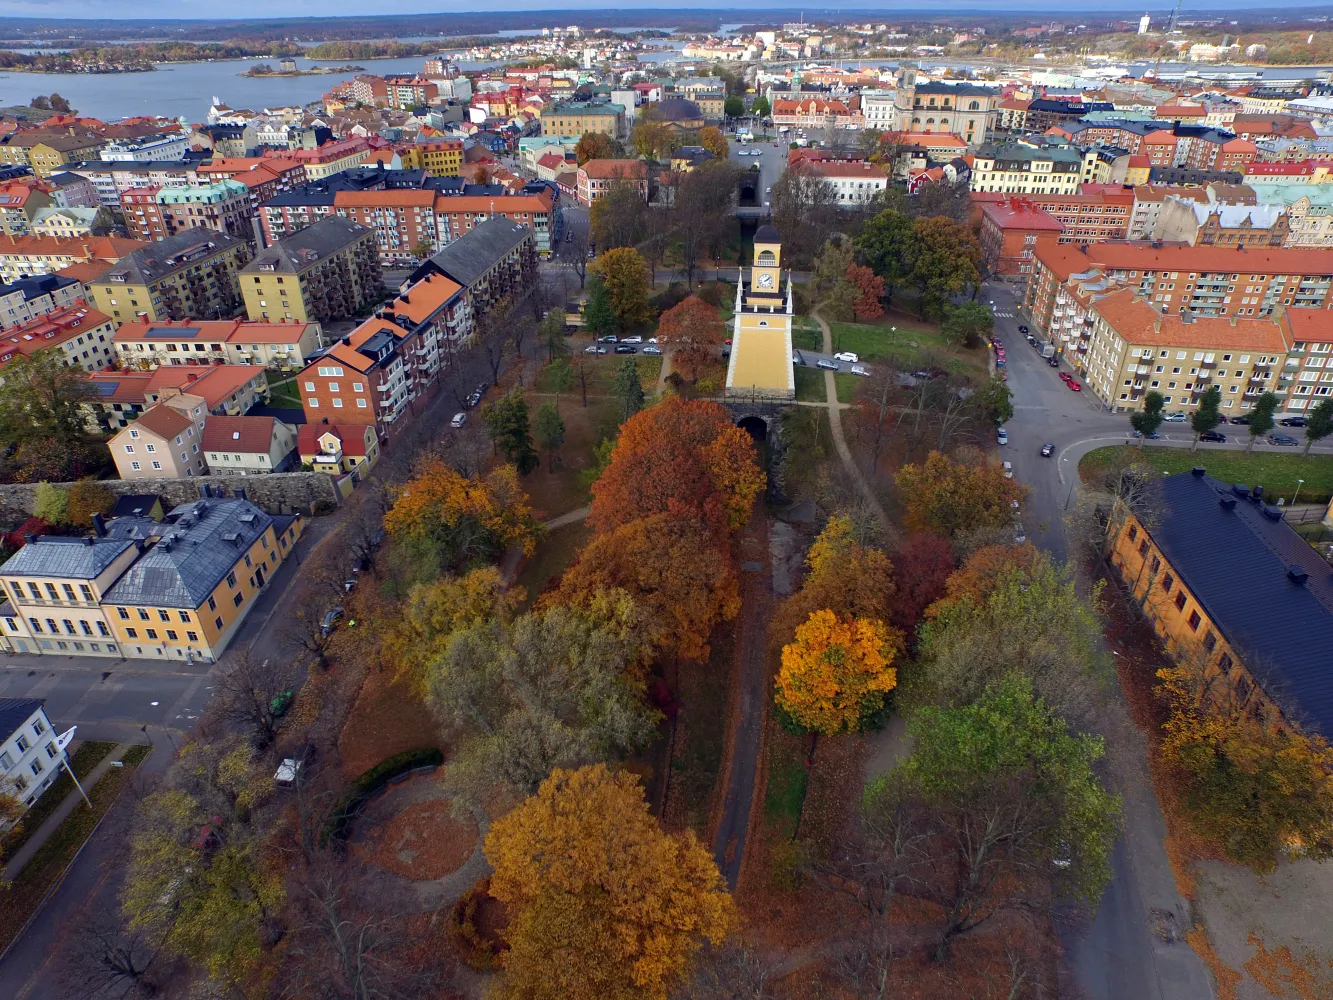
pixel 321 8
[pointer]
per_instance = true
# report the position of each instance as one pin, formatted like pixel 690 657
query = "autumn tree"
pixel 628 389
pixel 463 521
pixel 712 139
pixel 922 569
pixel 869 290
pixel 41 398
pixel 670 564
pixel 1253 789
pixel 996 795
pixel 952 497
pixel 549 431
pixel 587 923
pixel 967 323
pixel 831 264
pixel 945 264
pixel 679 455
pixel 693 331
pixel 619 217
pixel 805 210
pixel 702 212
pixel 625 276
pixel 996 400
pixel 887 244
pixel 245 692
pixel 86 498
pixel 594 146
pixel 836 672
pixel 560 687
pixel 507 423
pixel 51 504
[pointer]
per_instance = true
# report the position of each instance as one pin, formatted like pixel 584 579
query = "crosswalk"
pixel 1004 315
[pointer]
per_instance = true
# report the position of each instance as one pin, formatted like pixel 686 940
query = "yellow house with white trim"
pixel 760 366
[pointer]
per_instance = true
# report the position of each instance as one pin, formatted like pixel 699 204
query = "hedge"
pixel 349 803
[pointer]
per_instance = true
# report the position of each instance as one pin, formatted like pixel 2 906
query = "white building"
pixel 877 107
pixel 854 183
pixel 152 149
pixel 29 760
pixel 1144 22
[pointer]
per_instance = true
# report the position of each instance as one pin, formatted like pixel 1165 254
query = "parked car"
pixel 1076 386
pixel 1214 436
pixel 632 340
pixel 610 338
pixel 626 349
pixel 1002 436
pixel 1283 440
pixel 280 702
pixel 859 370
pixel 1047 450
pixel 1292 421
pixel 651 350
pixel 1008 469
pixel 1065 376
pixel 998 344
pixel 330 621
pixel 1175 418
pixel 1154 436
pixel 652 340
pixel 1023 330
pixel 826 364
pixel 1053 362
pixel 847 356
pixel 459 420
pixel 796 358
pixel 1240 420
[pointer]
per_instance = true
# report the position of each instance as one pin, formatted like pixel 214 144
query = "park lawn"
pixel 555 553
pixel 602 373
pixel 558 492
pixel 282 389
pixel 847 384
pixel 1276 472
pixel 807 338
pixel 810 385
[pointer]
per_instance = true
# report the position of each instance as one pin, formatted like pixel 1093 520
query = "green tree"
pixel 551 334
pixel 599 316
pixel 997 399
pixel 40 400
pixel 51 504
pixel 887 244
pixel 559 377
pixel 628 388
pixel 1207 416
pixel 549 431
pixel 1147 420
pixel 967 322
pixel 1318 423
pixel 945 263
pixel 733 107
pixel 507 424
pixel 761 108
pixel 831 264
pixel 1261 417
pixel 996 794
pixel 422 249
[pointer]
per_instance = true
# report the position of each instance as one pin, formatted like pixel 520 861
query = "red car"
pixel 1074 385
pixel 1065 376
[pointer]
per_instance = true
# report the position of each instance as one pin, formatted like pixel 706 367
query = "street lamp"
pixel 1299 484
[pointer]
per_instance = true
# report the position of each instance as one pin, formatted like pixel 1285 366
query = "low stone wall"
pixel 278 493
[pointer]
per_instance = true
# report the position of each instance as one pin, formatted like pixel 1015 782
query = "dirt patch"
pixel 422 841
pixel 388 718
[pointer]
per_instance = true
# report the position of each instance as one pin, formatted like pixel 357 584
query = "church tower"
pixel 761 348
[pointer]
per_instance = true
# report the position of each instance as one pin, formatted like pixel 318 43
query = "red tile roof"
pixel 1140 256
pixel 1018 214
pixel 244 435
pixel 353 438
pixel 608 169
pixel 1135 320
pixel 163 421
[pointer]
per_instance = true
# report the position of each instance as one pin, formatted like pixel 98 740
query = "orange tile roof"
pixel 1140 256
pixel 86 271
pixel 110 248
pixel 1135 320
pixel 163 421
pixel 215 330
pixel 379 199
pixel 51 330
pixel 353 439
pixel 351 357
pixel 842 168
pixel 1021 215
pixel 608 169
pixel 371 327
pixel 423 298
pixel 1310 325
pixel 447 204
pixel 247 435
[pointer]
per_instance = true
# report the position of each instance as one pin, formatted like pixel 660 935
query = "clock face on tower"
pixel 765 280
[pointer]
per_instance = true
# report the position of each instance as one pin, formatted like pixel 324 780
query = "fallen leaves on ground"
pixel 422 841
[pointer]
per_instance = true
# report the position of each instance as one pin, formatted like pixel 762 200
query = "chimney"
pixel 29 539
pixel 1228 503
pixel 99 525
pixel 1198 471
pixel 1297 575
pixel 239 492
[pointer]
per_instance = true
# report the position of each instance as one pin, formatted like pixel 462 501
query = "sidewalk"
pixel 61 812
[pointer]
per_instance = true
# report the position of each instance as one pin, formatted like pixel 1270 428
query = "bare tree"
pixel 101 959
pixel 304 629
pixel 704 199
pixel 732 971
pixel 577 249
pixel 248 693
pixel 805 210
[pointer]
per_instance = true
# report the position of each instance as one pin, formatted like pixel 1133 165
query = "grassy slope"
pixel 1275 472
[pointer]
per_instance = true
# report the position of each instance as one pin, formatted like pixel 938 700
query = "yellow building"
pixel 324 272
pixel 1262 647
pixel 441 157
pixel 198 577
pixel 761 349
pixel 191 275
pixel 46 152
pixel 581 117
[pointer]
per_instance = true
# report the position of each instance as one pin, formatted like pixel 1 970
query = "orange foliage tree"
pixel 468 520
pixel 680 455
pixel 836 672
pixel 694 330
pixel 952 497
pixel 625 276
pixel 603 903
pixel 869 288
pixel 672 567
pixel 984 570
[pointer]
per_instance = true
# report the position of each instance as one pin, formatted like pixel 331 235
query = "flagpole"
pixel 62 742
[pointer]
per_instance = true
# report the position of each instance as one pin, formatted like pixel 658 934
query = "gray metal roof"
pixel 466 259
pixel 307 247
pixel 157 260
pixel 16 711
pixel 200 543
pixel 70 558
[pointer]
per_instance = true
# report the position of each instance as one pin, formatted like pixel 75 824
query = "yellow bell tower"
pixel 761 348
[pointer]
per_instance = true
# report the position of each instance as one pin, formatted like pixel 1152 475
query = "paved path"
pixel 61 812
pixel 571 517
pixel 840 442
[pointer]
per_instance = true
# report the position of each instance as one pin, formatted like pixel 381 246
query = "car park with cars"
pixel 1175 418
pixel 1214 436
pixel 650 349
pixel 827 365
pixel 626 349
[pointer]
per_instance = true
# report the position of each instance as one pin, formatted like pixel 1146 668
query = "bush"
pixel 323 507
pixel 476 949
pixel 355 795
pixel 675 294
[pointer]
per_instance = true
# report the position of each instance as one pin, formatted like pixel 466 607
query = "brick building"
pixel 1009 233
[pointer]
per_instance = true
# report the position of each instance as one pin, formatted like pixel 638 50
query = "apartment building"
pixel 324 272
pixel 441 157
pixel 21 256
pixel 1308 371
pixel 366 378
pixel 337 450
pixel 120 396
pixel 597 177
pixel 200 573
pixel 814 112
pixel 1233 226
pixel 29 760
pixel 402 222
pixel 328 159
pixel 264 177
pixel 223 206
pixel 854 184
pixel 539 210
pixel 1024 168
pixel 28 298
pixel 1097 212
pixel 80 334
pixel 19 204
pixel 1009 233
pixel 163 441
pixel 192 274
pixel 494 260
pixel 1206 280
pixel 164 146
pixel 437 311
pixel 579 117
pixel 46 152
pixel 54 587
pixel 283 345
pixel 1133 348
pixel 249 446
pixel 1262 647
pixel 112 178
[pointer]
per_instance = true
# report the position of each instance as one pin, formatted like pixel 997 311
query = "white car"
pixel 631 340
pixel 459 420
pixel 652 340
pixel 859 370
pixel 1002 436
pixel 847 356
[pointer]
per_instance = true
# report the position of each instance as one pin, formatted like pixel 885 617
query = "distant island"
pixel 264 69
pixel 140 56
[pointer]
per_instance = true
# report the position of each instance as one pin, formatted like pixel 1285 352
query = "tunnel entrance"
pixel 756 427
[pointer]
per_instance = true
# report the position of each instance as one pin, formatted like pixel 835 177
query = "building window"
pixel 192 636
pixel 1194 620
pixel 150 632
pixel 185 617
pixel 143 615
pixel 1180 600
pixel 1155 565
pixel 238 599
pixel 231 579
pixel 132 633
pixel 217 623
pixel 124 613
pixel 1143 547
pixel 1243 689
pixel 163 615
pixel 212 604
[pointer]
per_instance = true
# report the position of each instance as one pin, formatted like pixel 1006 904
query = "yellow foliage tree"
pixel 836 672
pixel 952 497
pixel 469 519
pixel 604 904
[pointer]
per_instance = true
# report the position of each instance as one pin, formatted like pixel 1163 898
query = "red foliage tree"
pixel 924 565
pixel 694 329
pixel 32 526
pixel 870 290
